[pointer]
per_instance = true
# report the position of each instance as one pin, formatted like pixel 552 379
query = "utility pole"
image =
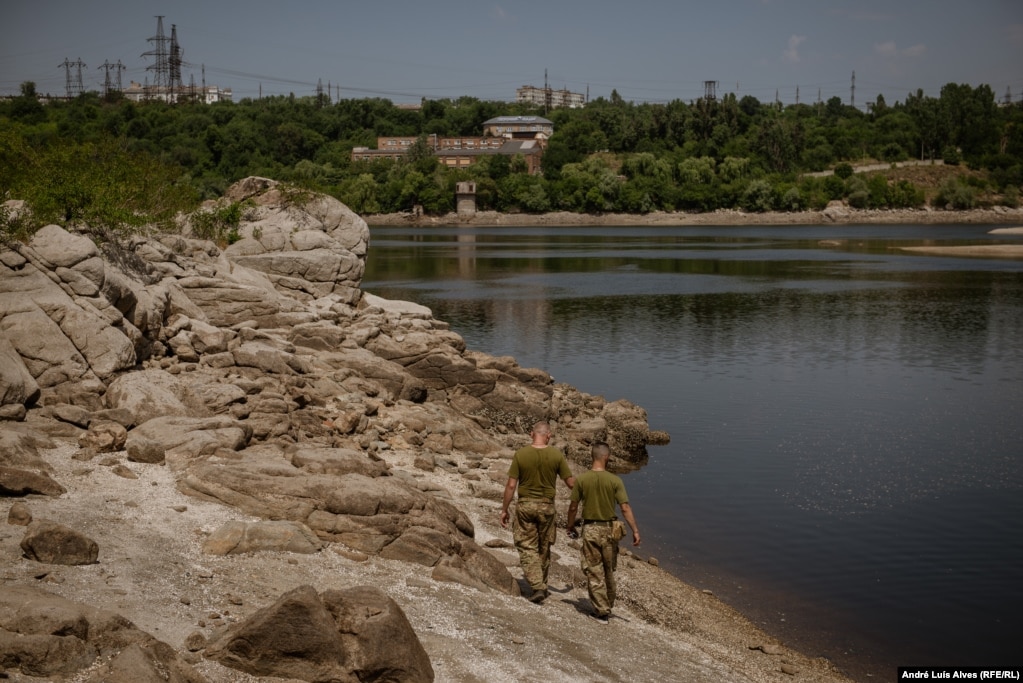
pixel 852 91
pixel 160 66
pixel 174 63
pixel 67 76
pixel 73 86
pixel 797 94
pixel 106 66
pixel 546 94
pixel 79 88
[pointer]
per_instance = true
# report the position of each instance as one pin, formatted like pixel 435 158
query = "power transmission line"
pixel 73 86
pixel 107 67
pixel 160 67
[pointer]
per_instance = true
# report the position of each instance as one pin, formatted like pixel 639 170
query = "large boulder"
pixel 58 290
pixel 225 302
pixel 17 385
pixel 308 245
pixel 52 543
pixel 340 503
pixel 16 481
pixel 46 636
pixel 19 447
pixel 153 393
pixel 57 248
pixel 183 439
pixel 236 538
pixel 354 634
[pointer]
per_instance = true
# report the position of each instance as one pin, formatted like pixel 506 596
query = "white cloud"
pixel 792 53
pixel 887 49
pixel 890 50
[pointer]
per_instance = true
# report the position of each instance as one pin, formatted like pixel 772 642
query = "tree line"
pixel 95 158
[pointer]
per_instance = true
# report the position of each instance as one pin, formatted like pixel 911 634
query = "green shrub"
pixel 1010 197
pixel 859 199
pixel 956 195
pixel 791 200
pixel 834 187
pixel 102 185
pixel 857 193
pixel 758 197
pixel 877 188
pixel 843 171
pixel 893 152
pixel 219 224
pixel 14 225
pixel 905 195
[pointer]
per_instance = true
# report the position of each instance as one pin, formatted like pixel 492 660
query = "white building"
pixel 546 97
pixel 136 92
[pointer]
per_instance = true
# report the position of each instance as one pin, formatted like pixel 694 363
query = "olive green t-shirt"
pixel 538 471
pixel 599 492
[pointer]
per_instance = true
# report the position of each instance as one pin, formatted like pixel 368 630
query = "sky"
pixel 646 50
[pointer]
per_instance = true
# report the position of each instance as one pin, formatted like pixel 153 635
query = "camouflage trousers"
pixel 599 560
pixel 534 533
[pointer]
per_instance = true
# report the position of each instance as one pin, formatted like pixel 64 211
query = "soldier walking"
pixel 599 491
pixel 535 470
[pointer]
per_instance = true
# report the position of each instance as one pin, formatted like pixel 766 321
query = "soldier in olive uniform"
pixel 599 491
pixel 535 470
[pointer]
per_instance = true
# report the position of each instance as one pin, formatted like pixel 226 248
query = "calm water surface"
pixel 846 464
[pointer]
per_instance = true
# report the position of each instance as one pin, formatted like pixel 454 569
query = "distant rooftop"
pixel 498 120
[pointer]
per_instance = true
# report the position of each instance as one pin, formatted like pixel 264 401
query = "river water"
pixel 846 462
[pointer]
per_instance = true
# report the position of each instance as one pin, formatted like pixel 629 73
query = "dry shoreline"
pixel 833 215
pixel 153 571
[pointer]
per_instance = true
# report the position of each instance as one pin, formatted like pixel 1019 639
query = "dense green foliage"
pixel 123 163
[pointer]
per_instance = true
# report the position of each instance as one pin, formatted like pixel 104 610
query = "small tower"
pixel 465 198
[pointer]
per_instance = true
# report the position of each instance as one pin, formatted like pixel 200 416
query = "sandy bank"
pixel 1003 251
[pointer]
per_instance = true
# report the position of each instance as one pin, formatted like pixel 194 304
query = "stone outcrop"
pixel 264 379
pixel 241 537
pixel 45 636
pixel 354 634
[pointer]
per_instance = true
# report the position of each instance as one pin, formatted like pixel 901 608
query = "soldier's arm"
pixel 509 493
pixel 572 508
pixel 631 519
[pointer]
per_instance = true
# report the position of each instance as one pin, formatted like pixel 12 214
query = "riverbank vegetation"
pixel 124 164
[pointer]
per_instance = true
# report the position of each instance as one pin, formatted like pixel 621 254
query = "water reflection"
pixel 846 441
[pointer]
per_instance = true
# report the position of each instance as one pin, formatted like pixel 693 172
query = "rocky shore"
pixel 231 464
pixel 836 213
